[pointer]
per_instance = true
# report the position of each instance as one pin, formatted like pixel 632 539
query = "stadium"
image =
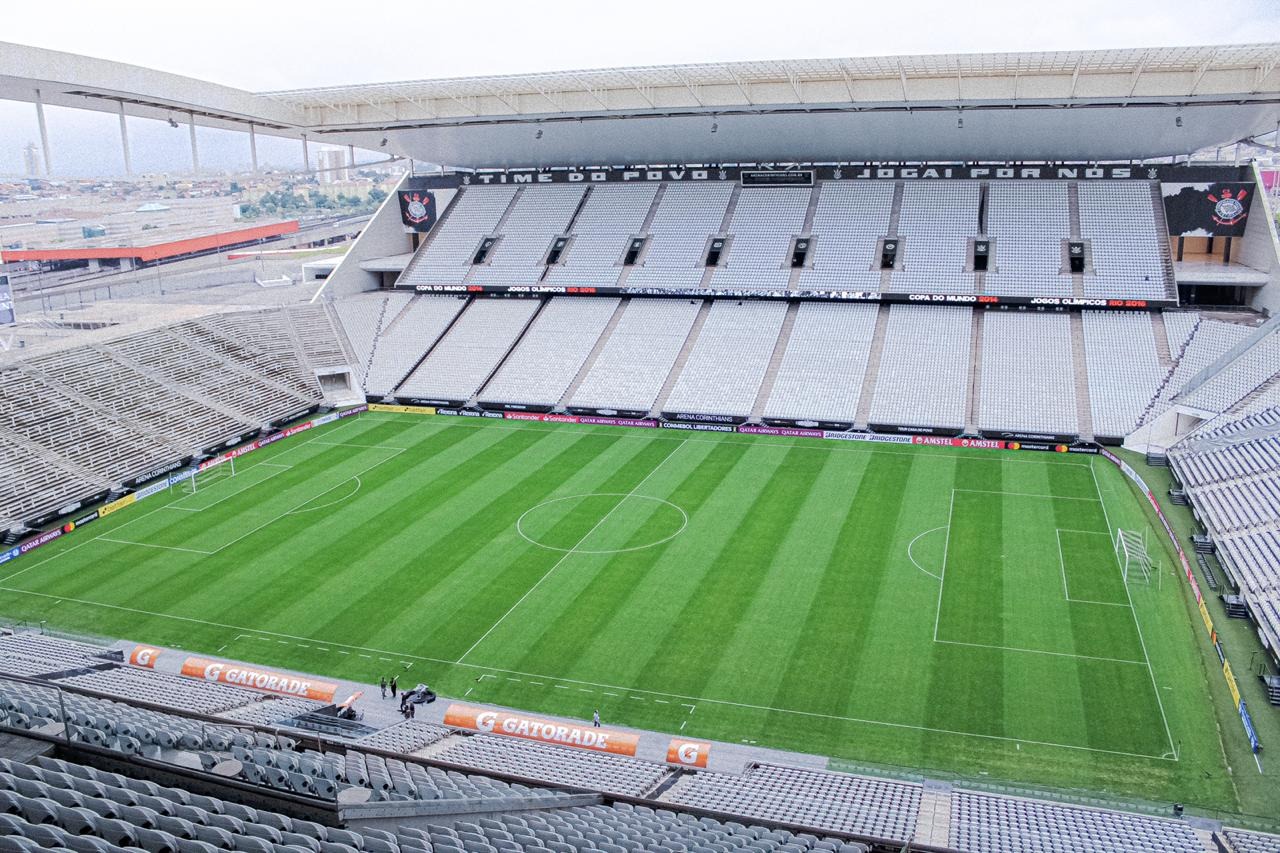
pixel 867 454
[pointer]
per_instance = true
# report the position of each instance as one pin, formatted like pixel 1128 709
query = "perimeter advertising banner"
pixel 688 753
pixel 544 731
pixel 1207 210
pixel 144 656
pixel 268 681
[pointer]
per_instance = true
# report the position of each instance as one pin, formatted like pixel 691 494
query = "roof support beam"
pixel 44 135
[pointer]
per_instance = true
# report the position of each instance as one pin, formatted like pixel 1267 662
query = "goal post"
pixel 1133 556
pixel 209 476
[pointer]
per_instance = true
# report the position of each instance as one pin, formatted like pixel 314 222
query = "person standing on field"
pixel 382 685
pixel 395 680
pixel 595 718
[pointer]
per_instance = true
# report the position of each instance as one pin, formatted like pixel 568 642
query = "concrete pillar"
pixel 253 148
pixel 306 155
pixel 351 162
pixel 195 151
pixel 124 142
pixel 44 135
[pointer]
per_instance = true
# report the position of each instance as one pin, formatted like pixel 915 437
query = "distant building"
pixel 30 160
pixel 331 164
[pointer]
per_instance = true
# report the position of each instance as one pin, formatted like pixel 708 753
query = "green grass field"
pixel 954 611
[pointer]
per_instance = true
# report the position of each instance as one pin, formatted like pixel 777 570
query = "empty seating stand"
pixel 727 363
pixel 475 345
pixel 924 369
pixel 552 351
pixel 1028 376
pixel 822 371
pixel 855 804
pixel 630 369
pixel 986 824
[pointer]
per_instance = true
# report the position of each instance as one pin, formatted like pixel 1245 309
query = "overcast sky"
pixel 259 45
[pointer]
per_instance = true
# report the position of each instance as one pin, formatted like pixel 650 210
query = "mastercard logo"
pixel 1061 448
pixel 1014 445
pixel 68 527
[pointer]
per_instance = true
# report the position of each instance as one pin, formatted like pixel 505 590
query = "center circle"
pixel 562 524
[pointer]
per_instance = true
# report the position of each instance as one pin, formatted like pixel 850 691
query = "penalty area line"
pixel 489 671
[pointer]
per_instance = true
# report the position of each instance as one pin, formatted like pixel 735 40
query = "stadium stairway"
pixel 497 230
pixel 869 377
pixel 1162 340
pixel 775 362
pixel 443 334
pixel 975 375
pixel 590 361
pixel 933 825
pixel 1073 206
pixel 683 357
pixel 1084 408
pixel 533 318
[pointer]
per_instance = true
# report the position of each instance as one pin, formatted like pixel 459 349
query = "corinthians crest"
pixel 1228 208
pixel 417 209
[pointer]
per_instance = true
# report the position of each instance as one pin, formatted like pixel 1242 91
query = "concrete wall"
pixel 1260 248
pixel 383 236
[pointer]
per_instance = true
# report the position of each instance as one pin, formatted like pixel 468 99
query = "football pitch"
pixel 953 611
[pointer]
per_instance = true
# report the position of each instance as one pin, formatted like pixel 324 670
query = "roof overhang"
pixel 1065 105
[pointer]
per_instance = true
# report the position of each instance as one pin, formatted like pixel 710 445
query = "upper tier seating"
pixel 849 220
pixel 1118 218
pixel 537 217
pixel 687 215
pixel 446 257
pixel 936 223
pixel 1027 222
pixel 610 217
pixel 762 227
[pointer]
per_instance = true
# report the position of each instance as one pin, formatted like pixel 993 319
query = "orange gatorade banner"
pixel 144 656
pixel 688 753
pixel 258 679
pixel 546 731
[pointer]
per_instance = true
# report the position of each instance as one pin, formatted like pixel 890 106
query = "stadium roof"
pixel 1096 73
pixel 1064 105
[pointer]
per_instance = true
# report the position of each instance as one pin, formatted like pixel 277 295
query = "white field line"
pixel 118 527
pixel 1027 495
pixel 942 581
pixel 1062 561
pixel 601 685
pixel 831 446
pixel 910 557
pixel 1040 652
pixel 291 511
pixel 281 469
pixel 1173 749
pixel 570 552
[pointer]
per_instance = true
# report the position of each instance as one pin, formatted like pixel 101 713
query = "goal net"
pixel 203 479
pixel 1135 560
